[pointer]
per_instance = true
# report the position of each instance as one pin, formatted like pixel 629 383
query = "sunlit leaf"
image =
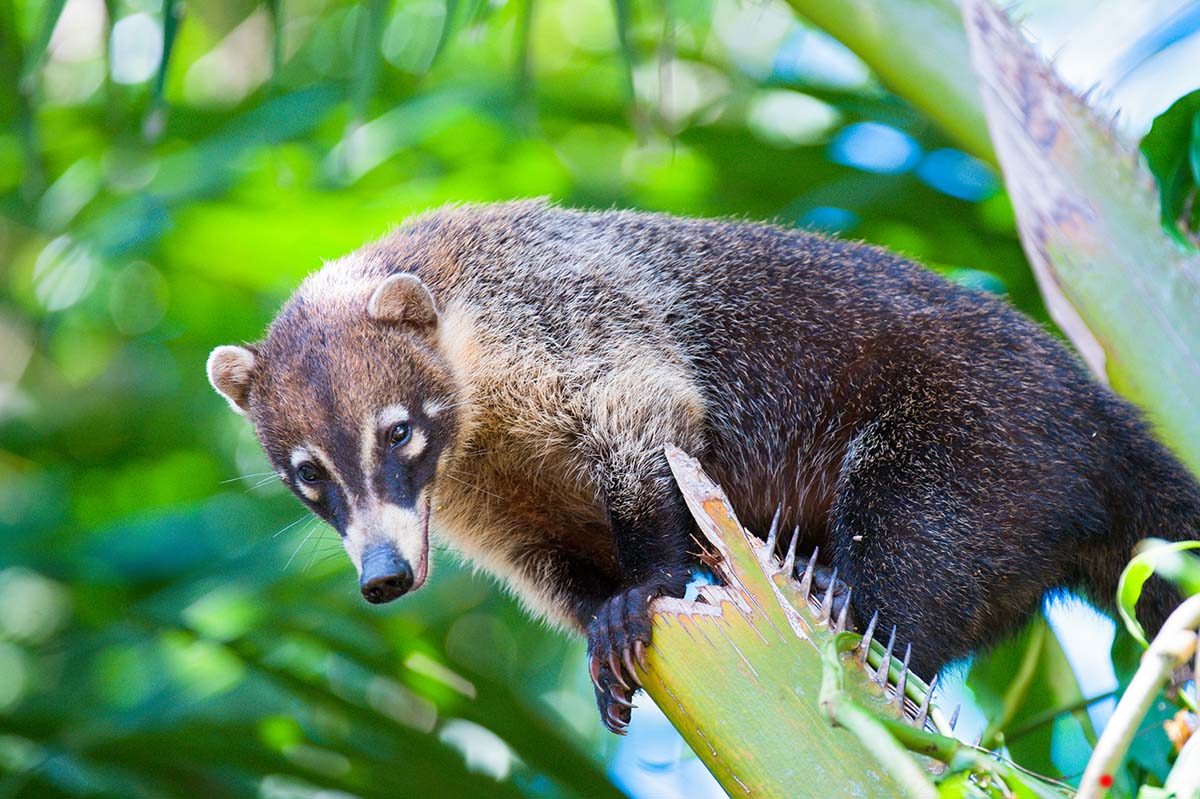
pixel 1172 150
pixel 1124 292
pixel 1162 557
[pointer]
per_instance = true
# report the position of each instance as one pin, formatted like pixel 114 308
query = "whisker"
pixel 296 551
pixel 316 547
pixel 262 483
pixel 325 559
pixel 281 530
pixel 245 477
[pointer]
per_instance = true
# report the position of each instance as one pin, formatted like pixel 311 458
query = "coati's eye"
pixel 308 472
pixel 400 433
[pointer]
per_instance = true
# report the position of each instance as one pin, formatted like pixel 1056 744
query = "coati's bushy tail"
pixel 1155 496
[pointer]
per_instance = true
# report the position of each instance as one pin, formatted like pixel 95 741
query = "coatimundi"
pixel 506 376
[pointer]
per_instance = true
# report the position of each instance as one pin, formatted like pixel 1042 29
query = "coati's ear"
pixel 403 300
pixel 231 371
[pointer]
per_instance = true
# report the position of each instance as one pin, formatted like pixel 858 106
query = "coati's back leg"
pixel 919 543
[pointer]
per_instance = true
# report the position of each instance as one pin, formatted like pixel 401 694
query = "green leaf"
pixel 367 54
pixel 33 54
pixel 276 10
pixel 1172 150
pixel 1016 683
pixel 767 654
pixel 756 650
pixel 172 15
pixel 1194 149
pixel 1161 557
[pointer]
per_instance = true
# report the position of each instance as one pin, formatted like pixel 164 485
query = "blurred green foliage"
pixel 1172 150
pixel 170 625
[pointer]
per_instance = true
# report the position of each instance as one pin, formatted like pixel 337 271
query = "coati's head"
pixel 355 406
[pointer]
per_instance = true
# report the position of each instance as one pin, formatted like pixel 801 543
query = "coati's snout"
pixel 385 575
pixel 355 407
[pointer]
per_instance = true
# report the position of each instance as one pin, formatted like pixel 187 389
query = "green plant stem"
pixel 1018 689
pixel 1171 648
pixel 843 711
pixel 883 746
pixel 1046 716
pixel 15 91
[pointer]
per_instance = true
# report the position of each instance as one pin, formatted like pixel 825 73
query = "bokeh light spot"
pixel 223 613
pixel 137 299
pixel 955 173
pixel 785 118
pixel 875 147
pixel 63 274
pixel 14 674
pixel 484 751
pixel 136 48
pixel 122 675
pixel 828 219
pixel 32 607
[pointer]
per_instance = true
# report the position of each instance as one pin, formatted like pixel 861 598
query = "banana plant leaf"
pixel 739 673
pixel 1087 211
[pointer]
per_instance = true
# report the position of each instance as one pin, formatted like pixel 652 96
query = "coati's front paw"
pixel 617 639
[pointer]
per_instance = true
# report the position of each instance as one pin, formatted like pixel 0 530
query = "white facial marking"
pixel 354 542
pixel 312 454
pixel 393 414
pixel 402 526
pixel 433 407
pixel 415 444
pixel 299 456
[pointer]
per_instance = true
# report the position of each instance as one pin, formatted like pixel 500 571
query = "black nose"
pixel 385 575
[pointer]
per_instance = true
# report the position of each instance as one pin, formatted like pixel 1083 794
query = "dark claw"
pixel 627 658
pixel 617 639
pixel 613 720
pixel 620 700
pixel 594 671
pixel 615 666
